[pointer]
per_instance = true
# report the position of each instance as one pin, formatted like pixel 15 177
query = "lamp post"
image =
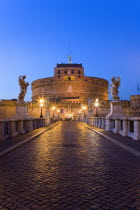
pixel 79 114
pixel 41 101
pixel 58 111
pixel 84 108
pixel 96 104
pixel 53 108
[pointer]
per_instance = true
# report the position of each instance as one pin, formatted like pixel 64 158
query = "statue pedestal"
pixel 21 111
pixel 47 113
pixel 116 110
pixel 90 113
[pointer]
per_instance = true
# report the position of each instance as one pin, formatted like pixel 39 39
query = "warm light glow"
pixel 58 110
pixel 96 102
pixel 41 101
pixel 53 107
pixel 84 107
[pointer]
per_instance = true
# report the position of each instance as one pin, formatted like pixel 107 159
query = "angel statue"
pixel 115 85
pixel 23 88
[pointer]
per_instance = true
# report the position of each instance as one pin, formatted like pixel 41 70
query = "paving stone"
pixel 69 167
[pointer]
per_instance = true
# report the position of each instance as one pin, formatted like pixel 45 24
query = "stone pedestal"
pixel 117 126
pixel 21 111
pixel 47 113
pixel 116 110
pixel 90 113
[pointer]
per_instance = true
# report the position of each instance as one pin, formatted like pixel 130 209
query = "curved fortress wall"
pixel 70 84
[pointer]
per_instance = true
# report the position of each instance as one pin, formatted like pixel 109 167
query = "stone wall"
pixel 7 108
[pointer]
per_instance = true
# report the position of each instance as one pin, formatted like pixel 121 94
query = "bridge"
pixel 69 165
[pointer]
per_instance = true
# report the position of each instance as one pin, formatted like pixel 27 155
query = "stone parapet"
pixel 14 127
pixel 124 126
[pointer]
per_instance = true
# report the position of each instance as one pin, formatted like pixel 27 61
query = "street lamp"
pixel 84 108
pixel 41 102
pixel 53 108
pixel 79 114
pixel 96 104
pixel 58 113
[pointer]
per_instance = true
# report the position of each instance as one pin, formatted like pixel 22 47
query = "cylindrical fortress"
pixel 70 84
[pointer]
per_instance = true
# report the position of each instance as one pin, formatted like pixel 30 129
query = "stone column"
pixel 21 130
pixel 103 124
pixel 13 131
pixel 30 123
pixel 136 130
pixel 117 126
pixel 1 129
pixel 125 127
pixel 108 125
pixel 94 121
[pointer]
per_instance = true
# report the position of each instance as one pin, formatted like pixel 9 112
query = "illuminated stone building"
pixel 69 88
pixel 70 85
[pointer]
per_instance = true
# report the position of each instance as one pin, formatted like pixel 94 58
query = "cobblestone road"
pixel 69 167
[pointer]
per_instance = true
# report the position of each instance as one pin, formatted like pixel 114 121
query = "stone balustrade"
pixel 124 126
pixel 14 127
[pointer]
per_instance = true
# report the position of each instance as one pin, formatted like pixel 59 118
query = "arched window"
pixel 79 72
pixel 58 71
pixel 65 71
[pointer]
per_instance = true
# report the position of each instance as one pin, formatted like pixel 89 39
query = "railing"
pixel 14 127
pixel 125 126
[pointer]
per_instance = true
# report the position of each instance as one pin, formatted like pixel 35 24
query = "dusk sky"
pixel 103 35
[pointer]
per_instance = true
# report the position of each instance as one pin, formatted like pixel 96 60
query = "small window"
pixel 78 76
pixel 58 71
pixel 79 72
pixel 72 71
pixel 58 76
pixel 65 71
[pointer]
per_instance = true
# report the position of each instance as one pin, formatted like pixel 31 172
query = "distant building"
pixel 133 110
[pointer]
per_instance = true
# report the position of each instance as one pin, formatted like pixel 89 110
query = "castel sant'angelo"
pixel 69 89
pixel 69 84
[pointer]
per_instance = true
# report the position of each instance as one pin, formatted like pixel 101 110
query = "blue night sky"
pixel 103 35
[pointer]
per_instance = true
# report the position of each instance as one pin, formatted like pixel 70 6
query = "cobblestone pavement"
pixel 128 141
pixel 69 167
pixel 9 142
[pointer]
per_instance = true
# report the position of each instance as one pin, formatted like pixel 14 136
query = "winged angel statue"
pixel 23 87
pixel 114 90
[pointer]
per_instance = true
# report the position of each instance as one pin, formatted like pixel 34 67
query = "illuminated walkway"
pixel 69 167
